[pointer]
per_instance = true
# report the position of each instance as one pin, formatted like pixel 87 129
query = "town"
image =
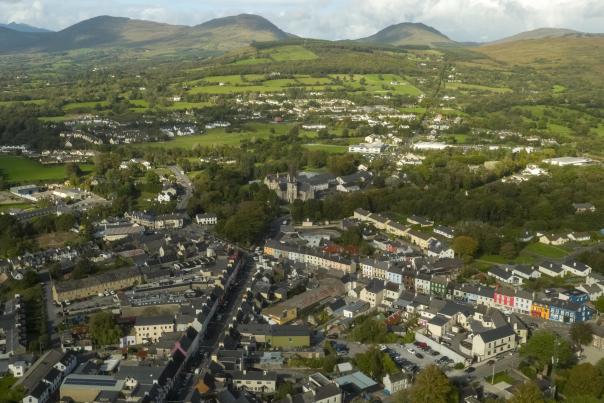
pixel 294 220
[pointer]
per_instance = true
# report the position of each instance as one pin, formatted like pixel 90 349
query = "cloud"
pixel 464 20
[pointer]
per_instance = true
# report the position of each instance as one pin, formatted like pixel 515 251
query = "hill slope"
pixel 23 28
pixel 543 33
pixel 408 33
pixel 117 32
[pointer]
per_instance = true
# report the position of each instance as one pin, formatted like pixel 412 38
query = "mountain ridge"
pixel 19 27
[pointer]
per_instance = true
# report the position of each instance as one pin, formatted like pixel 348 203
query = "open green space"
pixel 293 52
pixel 548 251
pixel 28 102
pixel 328 148
pixel 500 377
pixel 477 87
pixel 20 169
pixel 74 106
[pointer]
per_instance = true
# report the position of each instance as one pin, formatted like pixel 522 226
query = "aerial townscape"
pixel 229 212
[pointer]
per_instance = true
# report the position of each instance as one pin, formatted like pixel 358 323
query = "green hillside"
pixel 409 34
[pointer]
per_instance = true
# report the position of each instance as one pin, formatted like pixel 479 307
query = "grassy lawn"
pixel 548 251
pixel 380 83
pixel 221 137
pixel 470 87
pixel 56 239
pixel 85 105
pixel 21 169
pixel 293 52
pixel 558 89
pixel 500 377
pixel 328 148
pixel 57 119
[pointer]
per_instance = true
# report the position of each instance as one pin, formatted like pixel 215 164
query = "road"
pixel 184 181
pixel 52 317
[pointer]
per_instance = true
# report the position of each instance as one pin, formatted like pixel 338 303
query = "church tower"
pixel 292 186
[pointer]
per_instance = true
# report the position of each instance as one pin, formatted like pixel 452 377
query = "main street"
pixel 184 181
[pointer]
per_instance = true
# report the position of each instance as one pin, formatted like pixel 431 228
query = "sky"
pixel 461 20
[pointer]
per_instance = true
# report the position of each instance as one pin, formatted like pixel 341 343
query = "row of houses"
pixel 309 257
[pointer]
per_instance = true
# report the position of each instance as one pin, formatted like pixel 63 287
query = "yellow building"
pixel 540 310
pixel 148 329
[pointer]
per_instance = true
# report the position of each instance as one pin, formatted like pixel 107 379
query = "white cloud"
pixel 465 20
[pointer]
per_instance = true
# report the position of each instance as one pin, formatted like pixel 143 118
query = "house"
pixel 579 236
pixel 442 230
pixel 438 285
pixel 395 275
pixel 391 293
pixel 395 382
pixel 354 309
pixel 373 293
pixel 40 394
pixel 598 337
pixel 277 336
pixel 594 291
pixel 540 309
pixel 255 381
pixel 526 272
pixel 526 236
pixel 85 388
pixel 492 342
pixel 368 148
pixel 206 219
pixel 574 295
pixel 581 208
pixel 505 274
pixel 91 286
pixel 553 239
pixel 440 250
pixel 576 268
pixel 552 269
pixel 149 329
pixel 422 283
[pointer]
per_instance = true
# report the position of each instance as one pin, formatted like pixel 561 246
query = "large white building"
pixel 568 161
pixel 365 148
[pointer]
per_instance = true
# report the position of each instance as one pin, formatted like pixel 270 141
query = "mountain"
pixel 221 34
pixel 543 33
pixel 23 28
pixel 409 33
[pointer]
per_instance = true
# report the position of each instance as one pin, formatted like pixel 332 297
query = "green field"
pixel 470 87
pixel 381 83
pixel 548 251
pixel 20 169
pixel 328 148
pixel 29 102
pixel 220 136
pixel 293 52
pixel 74 106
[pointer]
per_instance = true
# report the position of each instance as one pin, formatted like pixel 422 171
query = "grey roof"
pixel 501 272
pixel 438 320
pixel 327 391
pixel 497 333
pixel 153 320
pixel 254 375
pixel 375 286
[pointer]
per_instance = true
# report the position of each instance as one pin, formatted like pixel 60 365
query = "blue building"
pixel 576 296
pixel 569 312
pixel 395 275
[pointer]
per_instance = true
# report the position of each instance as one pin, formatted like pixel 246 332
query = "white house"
pixel 365 148
pixel 206 219
pixel 576 268
pixel 395 382
pixel 552 269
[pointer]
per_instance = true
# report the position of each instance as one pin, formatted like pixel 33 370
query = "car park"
pixel 469 370
pixel 420 356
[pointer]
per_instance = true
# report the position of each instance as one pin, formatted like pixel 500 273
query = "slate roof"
pixel 497 333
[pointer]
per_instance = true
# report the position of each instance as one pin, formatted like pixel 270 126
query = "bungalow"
pixel 552 269
pixel 576 268
pixel 526 272
pixel 579 236
pixel 553 239
pixel 594 291
pixel 581 208
pixel 356 308
pixel 505 274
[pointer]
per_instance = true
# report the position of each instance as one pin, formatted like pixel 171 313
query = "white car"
pixel 410 350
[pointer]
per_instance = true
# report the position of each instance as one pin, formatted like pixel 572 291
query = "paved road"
pixel 184 181
pixel 51 316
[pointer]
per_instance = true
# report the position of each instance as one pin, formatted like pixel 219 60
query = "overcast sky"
pixel 461 20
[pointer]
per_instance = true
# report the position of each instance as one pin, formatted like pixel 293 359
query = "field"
pixel 29 102
pixel 476 87
pixel 547 251
pixel 75 106
pixel 56 239
pixel 222 137
pixel 328 148
pixel 20 169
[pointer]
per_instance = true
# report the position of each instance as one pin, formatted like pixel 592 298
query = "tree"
pixel 545 345
pixel 508 250
pixel 103 329
pixel 375 364
pixel 600 304
pixel 433 386
pixel 284 389
pixel 581 334
pixel 465 246
pixel 584 380
pixel 528 392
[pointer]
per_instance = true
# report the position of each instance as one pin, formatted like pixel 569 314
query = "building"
pixel 368 148
pixel 206 219
pixel 418 220
pixel 149 329
pixel 552 269
pixel 93 285
pixel 277 336
pixel 581 208
pixel 576 268
pixel 568 161
pixel 308 257
pixel 255 381
pixel 395 382
pixel 157 222
pixel 490 343
pixel 505 274
pixel 442 230
pixel 568 311
pixel 598 337
pixel 373 293
pixel 553 239
pixel 86 388
pixel 420 239
pixel 303 186
pixel 354 309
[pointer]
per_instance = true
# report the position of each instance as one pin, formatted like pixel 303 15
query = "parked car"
pixel 420 356
pixel 469 370
pixel 410 350
pixel 490 362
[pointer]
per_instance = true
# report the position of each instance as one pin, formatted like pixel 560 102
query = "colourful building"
pixel 540 310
